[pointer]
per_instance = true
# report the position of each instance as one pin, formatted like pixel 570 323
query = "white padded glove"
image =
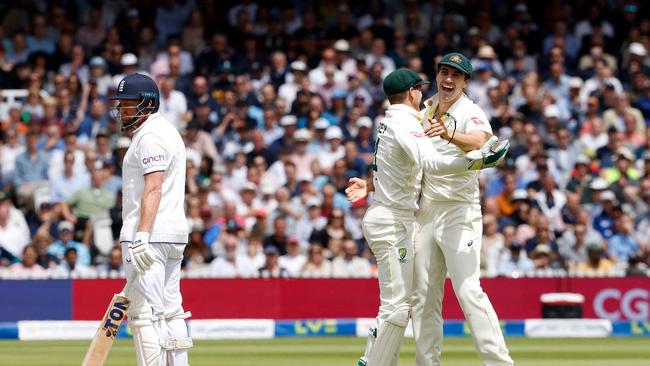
pixel 140 252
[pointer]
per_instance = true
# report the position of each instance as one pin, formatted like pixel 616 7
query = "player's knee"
pixel 470 292
pixel 140 316
pixel 400 315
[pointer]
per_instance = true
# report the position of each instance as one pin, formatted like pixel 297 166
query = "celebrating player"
pixel 402 153
pixel 155 230
pixel 450 227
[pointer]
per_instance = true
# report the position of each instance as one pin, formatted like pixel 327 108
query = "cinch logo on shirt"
pixel 151 159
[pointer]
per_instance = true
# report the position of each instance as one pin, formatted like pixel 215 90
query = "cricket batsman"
pixel 402 154
pixel 154 230
pixel 449 225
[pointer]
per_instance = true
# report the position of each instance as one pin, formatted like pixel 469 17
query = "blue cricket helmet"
pixel 137 87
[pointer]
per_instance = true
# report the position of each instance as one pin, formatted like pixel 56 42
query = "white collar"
pixel 149 118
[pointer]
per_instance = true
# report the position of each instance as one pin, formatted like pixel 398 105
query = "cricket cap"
pixel 457 61
pixel 401 80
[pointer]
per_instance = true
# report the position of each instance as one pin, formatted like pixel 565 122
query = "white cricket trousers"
pixel 157 292
pixel 448 239
pixel 389 233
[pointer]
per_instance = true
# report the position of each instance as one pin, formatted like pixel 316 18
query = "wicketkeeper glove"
pixel 140 252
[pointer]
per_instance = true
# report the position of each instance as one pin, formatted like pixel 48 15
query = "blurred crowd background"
pixel 277 103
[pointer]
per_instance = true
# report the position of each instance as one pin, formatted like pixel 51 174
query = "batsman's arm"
pixel 150 200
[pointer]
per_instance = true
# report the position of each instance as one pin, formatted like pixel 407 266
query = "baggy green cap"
pixel 401 80
pixel 458 61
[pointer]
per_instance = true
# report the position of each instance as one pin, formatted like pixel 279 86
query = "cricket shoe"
pixel 491 154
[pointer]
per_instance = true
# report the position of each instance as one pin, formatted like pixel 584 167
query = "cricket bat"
pixel 105 336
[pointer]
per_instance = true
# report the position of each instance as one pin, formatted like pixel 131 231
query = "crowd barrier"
pixel 614 299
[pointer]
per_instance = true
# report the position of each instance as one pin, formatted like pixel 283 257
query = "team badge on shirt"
pixel 401 252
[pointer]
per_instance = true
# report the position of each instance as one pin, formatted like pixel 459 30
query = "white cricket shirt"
pixel 397 168
pixel 462 187
pixel 156 146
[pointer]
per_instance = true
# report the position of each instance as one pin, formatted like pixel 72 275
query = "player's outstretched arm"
pixel 358 188
pixel 491 154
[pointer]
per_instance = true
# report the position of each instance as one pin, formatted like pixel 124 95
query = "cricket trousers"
pixel 389 233
pixel 448 239
pixel 157 292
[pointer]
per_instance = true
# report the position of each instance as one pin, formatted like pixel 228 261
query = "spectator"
pixel 85 203
pixel 14 232
pixel 623 169
pixel 348 264
pixel 170 17
pixel 70 267
pixel 595 264
pixel 113 266
pixel 603 221
pixel 27 267
pixel 9 151
pixel 31 169
pixel 616 116
pixel 316 265
pixel 57 162
pixel 199 140
pixel 93 33
pixel 225 266
pixel 505 199
pixel 514 262
pixel 592 136
pixel 272 268
pixel 333 151
pixel 551 201
pixel 93 123
pixel 254 259
pixel 279 238
pixel 41 241
pixel 623 244
pixel 66 240
pixel 173 104
pixel 542 257
pixel 573 245
pixel 65 185
pixel 543 235
pixel 294 260
pixel 492 244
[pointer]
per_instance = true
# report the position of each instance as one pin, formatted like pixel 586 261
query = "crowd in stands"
pixel 277 102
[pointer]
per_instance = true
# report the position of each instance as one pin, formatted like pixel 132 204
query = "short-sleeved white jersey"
pixel 462 187
pixel 397 164
pixel 156 146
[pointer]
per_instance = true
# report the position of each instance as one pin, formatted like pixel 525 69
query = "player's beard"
pixel 133 122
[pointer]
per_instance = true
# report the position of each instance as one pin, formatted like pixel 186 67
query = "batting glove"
pixel 140 252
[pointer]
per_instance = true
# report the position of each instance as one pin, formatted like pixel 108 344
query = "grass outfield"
pixel 343 351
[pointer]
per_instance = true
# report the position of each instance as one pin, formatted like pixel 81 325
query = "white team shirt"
pixel 156 146
pixel 461 187
pixel 398 151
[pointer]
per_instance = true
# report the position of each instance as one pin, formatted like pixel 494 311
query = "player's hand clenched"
pixel 437 128
pixel 140 252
